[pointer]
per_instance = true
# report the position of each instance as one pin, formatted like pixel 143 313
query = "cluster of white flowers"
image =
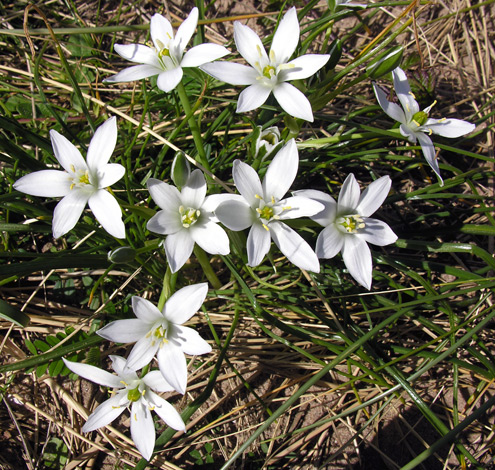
pixel 188 216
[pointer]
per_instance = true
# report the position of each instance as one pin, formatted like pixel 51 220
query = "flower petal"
pixel 373 196
pixel 102 145
pixel 199 55
pixel 235 215
pixel 348 196
pixel 68 211
pixel 230 72
pixel 194 191
pixel 143 352
pixel 185 32
pixel 292 245
pixel 211 202
pixel 137 53
pixel 249 45
pixel 329 242
pixel 429 153
pixel 45 183
pixel 329 212
pixel 165 222
pixel 190 341
pixel 94 374
pixel 136 72
pixel 167 412
pixel 300 206
pixel 165 195
pixel 281 172
pixel 293 101
pixel 258 244
pixel 105 413
pixel 357 258
pixel 169 79
pixel 305 66
pixel 157 382
pixel 108 212
pixel 178 248
pixel 146 311
pixel 119 365
pixel 66 153
pixel 173 366
pixel 142 429
pixel 252 97
pixel 450 127
pixel 211 237
pixel 111 174
pixel 129 330
pixel 403 92
pixel 377 232
pixel 161 31
pixel 184 303
pixel 247 182
pixel 393 110
pixel 285 38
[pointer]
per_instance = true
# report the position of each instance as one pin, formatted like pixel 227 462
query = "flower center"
pixel 134 394
pixel 266 213
pixel 269 212
pixel 164 53
pixel 80 178
pixel 269 71
pixel 350 223
pixel 420 118
pixel 271 138
pixel 188 216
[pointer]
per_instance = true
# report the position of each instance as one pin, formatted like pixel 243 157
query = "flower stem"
pixel 168 287
pixel 204 261
pixel 193 125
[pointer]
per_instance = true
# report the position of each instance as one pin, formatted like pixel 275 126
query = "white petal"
pixel 184 303
pixel 186 30
pixel 249 45
pixel 329 212
pixel 45 183
pixel 286 37
pixel 330 241
pixel 293 101
pixel 173 366
pixel 235 215
pixel 94 374
pixel 102 145
pixel 247 182
pixel 142 429
pixel 167 412
pixel 349 196
pixel 111 174
pixel 136 72
pixel 391 109
pixel 373 196
pixel 119 365
pixel 377 232
pixel 450 127
pixel 165 222
pixel 145 310
pixel 105 413
pixel 252 97
pixel 202 54
pixel 137 53
pixel 429 153
pixel 194 191
pixel 403 91
pixel 305 66
pixel 230 72
pixel 357 258
pixel 108 212
pixel 211 237
pixel 292 245
pixel 258 244
pixel 66 153
pixel 157 382
pixel 408 132
pixel 129 330
pixel 161 31
pixel 178 248
pixel 165 195
pixel 169 79
pixel 299 206
pixel 143 352
pixel 68 211
pixel 190 341
pixel 211 202
pixel 281 172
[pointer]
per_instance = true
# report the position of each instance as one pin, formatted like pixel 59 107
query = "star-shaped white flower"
pixel 166 57
pixel 82 182
pixel 415 124
pixel 187 217
pixel 263 207
pixel 162 334
pixel 348 226
pixel 270 73
pixel 134 392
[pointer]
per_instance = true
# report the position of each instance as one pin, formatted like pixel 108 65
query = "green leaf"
pixel 12 314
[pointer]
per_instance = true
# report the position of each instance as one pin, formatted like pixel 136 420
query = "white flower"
pixel 162 333
pixel 263 207
pixel 82 182
pixel 134 392
pixel 348 227
pixel 267 140
pixel 187 218
pixel 414 123
pixel 166 57
pixel 270 73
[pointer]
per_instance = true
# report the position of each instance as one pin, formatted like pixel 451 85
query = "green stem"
pixel 168 287
pixel 204 261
